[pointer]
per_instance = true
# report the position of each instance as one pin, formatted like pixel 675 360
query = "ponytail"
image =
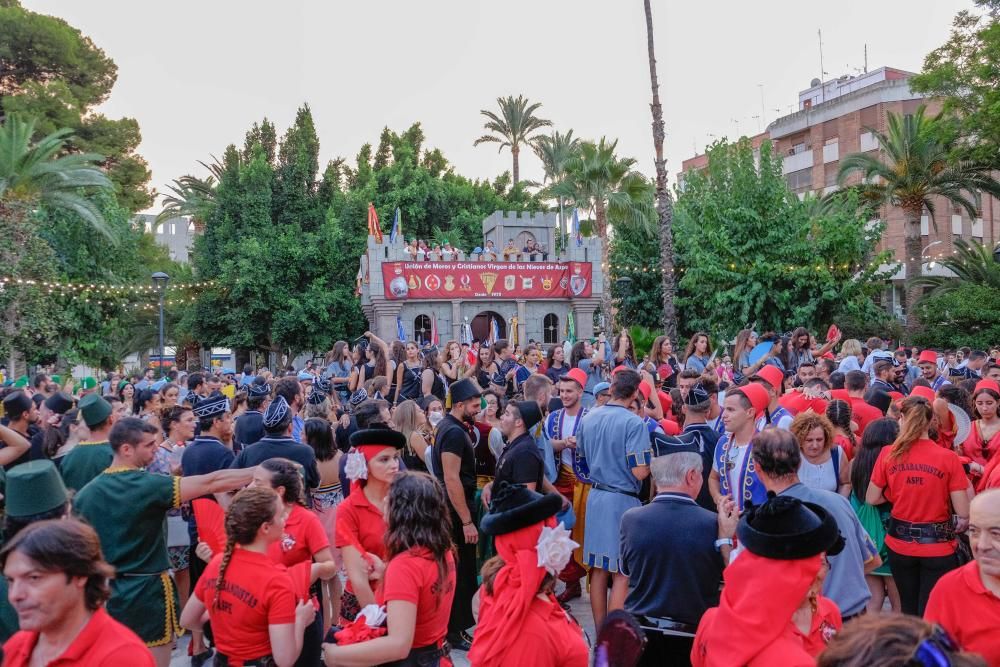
pixel 251 508
pixel 916 417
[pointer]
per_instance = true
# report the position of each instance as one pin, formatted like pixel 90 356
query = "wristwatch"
pixel 723 542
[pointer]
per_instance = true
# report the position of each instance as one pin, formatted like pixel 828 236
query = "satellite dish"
pixel 814 83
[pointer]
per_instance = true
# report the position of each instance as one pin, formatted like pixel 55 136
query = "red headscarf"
pixel 514 589
pixel 758 600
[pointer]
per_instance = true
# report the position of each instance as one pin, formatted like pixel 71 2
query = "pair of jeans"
pixel 915 576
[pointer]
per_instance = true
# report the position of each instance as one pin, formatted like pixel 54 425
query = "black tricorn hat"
pixel 515 506
pixel 785 528
pixel 463 390
pixel 378 436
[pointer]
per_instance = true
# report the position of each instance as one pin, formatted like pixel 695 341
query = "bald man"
pixel 966 601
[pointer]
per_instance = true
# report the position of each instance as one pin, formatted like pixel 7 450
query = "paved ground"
pixel 580 608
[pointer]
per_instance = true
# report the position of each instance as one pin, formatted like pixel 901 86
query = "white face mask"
pixel 435 418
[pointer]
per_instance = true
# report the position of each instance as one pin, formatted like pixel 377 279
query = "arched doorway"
pixel 481 325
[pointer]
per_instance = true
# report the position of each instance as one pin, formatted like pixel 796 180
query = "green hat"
pixel 34 487
pixel 121 385
pixel 94 409
pixel 57 379
pixel 88 383
pixel 21 382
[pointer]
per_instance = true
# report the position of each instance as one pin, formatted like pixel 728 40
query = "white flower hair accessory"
pixel 374 615
pixel 555 548
pixel 356 467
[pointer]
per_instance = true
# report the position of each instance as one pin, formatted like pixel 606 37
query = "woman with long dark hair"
pixel 746 341
pixel 419 581
pixel 409 375
pixel 485 367
pixel 927 487
pixel 147 406
pixel 431 383
pixel 698 352
pixel 555 363
pixel 126 394
pixel 880 434
pixel 327 497
pixel 169 394
pixel 338 369
pixel 664 362
pixel 983 442
pixel 249 599
pixel 624 350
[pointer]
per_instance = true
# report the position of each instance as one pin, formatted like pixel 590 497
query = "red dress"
pixel 976 449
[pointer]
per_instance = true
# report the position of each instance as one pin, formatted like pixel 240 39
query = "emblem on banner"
pixel 449 283
pixel 465 282
pixel 432 282
pixel 489 280
pixel 527 283
pixel 547 284
pixel 509 282
pixel 412 283
pixel 577 283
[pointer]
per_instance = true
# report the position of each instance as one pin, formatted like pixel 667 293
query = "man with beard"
pixel 929 370
pixel 454 462
pixel 21 415
pixel 127 506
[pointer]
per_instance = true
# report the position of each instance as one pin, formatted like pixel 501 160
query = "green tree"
pixel 750 251
pixel 962 316
pixel 513 127
pixel 606 185
pixel 635 255
pixel 916 163
pixel 963 73
pixel 50 71
pixel 554 150
pixel 33 175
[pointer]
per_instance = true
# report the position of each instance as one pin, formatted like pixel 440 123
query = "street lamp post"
pixel 160 281
pixel 624 285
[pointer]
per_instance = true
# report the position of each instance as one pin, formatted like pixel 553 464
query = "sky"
pixel 197 75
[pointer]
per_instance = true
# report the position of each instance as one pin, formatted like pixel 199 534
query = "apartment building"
pixel 832 121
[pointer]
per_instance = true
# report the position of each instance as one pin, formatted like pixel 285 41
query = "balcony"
pixel 797 162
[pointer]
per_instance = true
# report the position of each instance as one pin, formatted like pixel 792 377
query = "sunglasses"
pixel 935 651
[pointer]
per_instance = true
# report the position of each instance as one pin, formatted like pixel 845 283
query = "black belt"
pixel 921 533
pixel 425 656
pixel 667 626
pixel 605 487
pixel 225 661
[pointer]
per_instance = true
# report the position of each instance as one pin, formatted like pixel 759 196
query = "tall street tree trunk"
pixel 515 151
pixel 914 268
pixel 601 229
pixel 664 203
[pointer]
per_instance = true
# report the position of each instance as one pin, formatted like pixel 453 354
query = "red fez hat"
pixel 670 427
pixel 757 396
pixel 771 375
pixel 927 357
pixel 923 392
pixel 577 375
pixel 645 389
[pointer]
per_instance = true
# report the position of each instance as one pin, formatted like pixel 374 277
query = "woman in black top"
pixel 431 383
pixel 555 363
pixel 485 367
pixel 408 375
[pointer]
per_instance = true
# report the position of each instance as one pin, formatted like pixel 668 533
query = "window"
pixel 421 328
pixel 800 180
pixel 173 228
pixel 550 329
pixel 191 227
pixel 149 227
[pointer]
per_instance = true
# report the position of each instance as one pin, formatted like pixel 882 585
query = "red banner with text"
pixel 471 280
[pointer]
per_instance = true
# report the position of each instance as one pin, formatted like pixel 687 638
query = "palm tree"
pixel 513 127
pixel 606 185
pixel 664 203
pixel 32 175
pixel 918 165
pixel 554 150
pixel 192 196
pixel 972 263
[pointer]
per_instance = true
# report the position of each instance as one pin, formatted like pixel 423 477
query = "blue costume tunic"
pixel 613 441
pixel 751 488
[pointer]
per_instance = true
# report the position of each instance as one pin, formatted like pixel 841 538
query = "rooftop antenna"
pixel 822 72
pixel 763 111
pixel 757 117
pixel 866 59
pixel 737 123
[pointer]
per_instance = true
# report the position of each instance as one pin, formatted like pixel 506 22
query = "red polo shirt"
pixel 968 611
pixel 103 642
pixel 302 538
pixel 413 577
pixel 359 523
pixel 256 593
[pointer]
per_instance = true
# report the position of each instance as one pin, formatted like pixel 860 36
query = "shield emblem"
pixel 577 284
pixel 509 282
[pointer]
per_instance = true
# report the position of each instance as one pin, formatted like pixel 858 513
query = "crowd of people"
pixel 419 250
pixel 780 501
